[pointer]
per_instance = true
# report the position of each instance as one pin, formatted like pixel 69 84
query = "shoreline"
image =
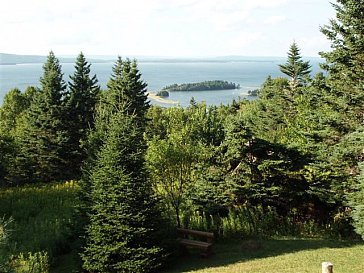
pixel 153 96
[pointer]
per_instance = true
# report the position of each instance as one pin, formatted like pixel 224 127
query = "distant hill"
pixel 11 59
pixel 21 59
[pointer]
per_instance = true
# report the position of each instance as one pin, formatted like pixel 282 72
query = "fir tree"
pixel 356 201
pixel 42 135
pixel 295 67
pixel 127 87
pixel 124 220
pixel 345 63
pixel 126 92
pixel 81 107
pixel 123 223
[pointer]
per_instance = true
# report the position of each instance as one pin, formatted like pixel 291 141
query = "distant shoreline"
pixel 153 96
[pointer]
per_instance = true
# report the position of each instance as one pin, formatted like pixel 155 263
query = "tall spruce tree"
pixel 345 66
pixel 356 201
pixel 122 215
pixel 345 63
pixel 126 91
pixel 295 67
pixel 81 103
pixel 127 87
pixel 42 135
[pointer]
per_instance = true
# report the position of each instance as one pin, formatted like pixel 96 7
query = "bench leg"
pixel 184 250
pixel 207 253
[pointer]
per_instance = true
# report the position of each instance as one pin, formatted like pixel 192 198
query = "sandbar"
pixel 153 96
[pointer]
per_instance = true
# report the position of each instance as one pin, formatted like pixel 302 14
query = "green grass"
pixel 276 256
pixel 42 216
pixel 43 213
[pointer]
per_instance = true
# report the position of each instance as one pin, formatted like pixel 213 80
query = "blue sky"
pixel 178 28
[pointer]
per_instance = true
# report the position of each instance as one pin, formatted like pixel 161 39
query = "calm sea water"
pixel 249 74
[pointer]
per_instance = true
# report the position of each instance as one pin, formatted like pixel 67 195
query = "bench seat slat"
pixel 193 243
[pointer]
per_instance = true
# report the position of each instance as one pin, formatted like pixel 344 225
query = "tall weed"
pixel 250 221
pixel 42 216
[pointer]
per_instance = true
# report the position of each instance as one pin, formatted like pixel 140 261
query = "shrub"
pixel 37 262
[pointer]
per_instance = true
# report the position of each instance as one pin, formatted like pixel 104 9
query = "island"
pixel 163 93
pixel 253 93
pixel 202 86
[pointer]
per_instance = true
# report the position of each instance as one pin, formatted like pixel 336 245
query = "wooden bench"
pixel 196 239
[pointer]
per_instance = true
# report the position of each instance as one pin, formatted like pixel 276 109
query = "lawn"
pixel 276 256
pixel 42 214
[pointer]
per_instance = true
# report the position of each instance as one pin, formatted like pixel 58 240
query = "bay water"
pixel 249 74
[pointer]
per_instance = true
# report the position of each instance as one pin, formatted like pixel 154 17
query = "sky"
pixel 169 28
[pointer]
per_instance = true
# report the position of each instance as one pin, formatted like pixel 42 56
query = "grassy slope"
pixel 42 212
pixel 42 215
pixel 277 256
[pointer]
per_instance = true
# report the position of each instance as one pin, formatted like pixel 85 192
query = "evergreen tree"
pixel 345 64
pixel 295 67
pixel 42 135
pixel 124 220
pixel 346 60
pixel 356 201
pixel 81 107
pixel 127 88
pixel 126 92
pixel 118 205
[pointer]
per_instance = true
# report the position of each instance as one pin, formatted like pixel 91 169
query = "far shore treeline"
pixel 198 86
pixel 202 86
pixel 289 163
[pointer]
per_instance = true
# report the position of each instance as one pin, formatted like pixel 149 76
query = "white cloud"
pixel 275 19
pixel 155 27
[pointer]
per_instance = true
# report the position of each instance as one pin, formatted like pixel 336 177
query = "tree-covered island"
pixel 202 86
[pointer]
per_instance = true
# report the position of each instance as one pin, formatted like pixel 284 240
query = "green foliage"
pixel 81 103
pixel 126 88
pixel 123 232
pixel 4 241
pixel 179 140
pixel 14 104
pixel 356 201
pixel 126 92
pixel 40 228
pixel 295 67
pixel 251 221
pixel 345 62
pixel 42 133
pixel 11 112
pixel 42 216
pixel 170 162
pixel 37 262
pixel 201 86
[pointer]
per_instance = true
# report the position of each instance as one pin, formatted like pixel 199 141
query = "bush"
pixel 4 237
pixel 37 262
pixel 357 203
pixel 42 219
pixel 251 221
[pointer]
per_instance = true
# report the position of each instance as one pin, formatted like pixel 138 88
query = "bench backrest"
pixel 209 236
